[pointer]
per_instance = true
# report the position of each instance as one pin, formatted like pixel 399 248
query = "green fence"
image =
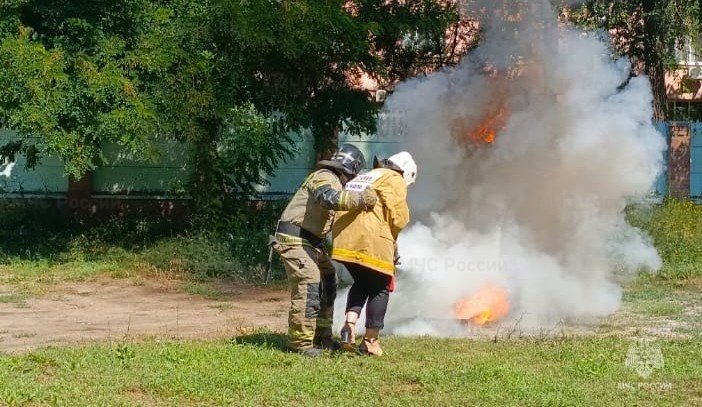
pixel 168 172
pixel 46 179
pixel 165 175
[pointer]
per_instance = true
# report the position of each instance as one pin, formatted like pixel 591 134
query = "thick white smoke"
pixel 539 212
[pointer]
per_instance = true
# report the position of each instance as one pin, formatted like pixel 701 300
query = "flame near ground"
pixel 489 304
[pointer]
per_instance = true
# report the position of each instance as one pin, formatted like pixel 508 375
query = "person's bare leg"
pixel 351 317
pixel 371 344
pixel 348 331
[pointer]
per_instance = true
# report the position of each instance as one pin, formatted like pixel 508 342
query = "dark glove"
pixel 397 256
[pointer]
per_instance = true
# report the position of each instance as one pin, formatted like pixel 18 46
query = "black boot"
pixel 305 350
pixel 324 340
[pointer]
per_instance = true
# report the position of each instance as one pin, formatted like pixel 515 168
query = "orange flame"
pixel 488 304
pixel 490 121
pixel 486 130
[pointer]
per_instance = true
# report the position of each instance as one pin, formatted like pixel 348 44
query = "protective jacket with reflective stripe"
pixel 313 205
pixel 368 238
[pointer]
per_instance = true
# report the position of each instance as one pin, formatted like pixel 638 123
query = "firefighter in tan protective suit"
pixel 365 243
pixel 299 240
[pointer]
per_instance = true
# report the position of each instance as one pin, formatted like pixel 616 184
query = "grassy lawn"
pixel 170 259
pixel 252 370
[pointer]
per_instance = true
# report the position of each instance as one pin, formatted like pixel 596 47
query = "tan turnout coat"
pixel 368 237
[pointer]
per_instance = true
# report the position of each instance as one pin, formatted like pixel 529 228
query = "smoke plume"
pixel 539 210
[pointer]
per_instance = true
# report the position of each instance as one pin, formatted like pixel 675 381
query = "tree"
pixel 411 38
pixel 648 32
pixel 64 86
pixel 231 78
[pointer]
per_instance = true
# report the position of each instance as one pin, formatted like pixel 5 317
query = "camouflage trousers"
pixel 312 281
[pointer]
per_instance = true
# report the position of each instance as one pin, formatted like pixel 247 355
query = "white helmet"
pixel 405 163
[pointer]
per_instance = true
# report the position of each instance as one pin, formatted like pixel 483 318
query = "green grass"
pixel 39 249
pixel 662 309
pixel 204 289
pixel 676 230
pixel 51 272
pixel 254 371
pixel 195 259
pixel 652 289
pixel 652 302
pixel 41 246
pixel 13 298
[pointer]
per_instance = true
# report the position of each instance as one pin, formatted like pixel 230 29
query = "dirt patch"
pixel 115 309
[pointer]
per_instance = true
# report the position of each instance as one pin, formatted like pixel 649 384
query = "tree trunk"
pixel 656 74
pixel 207 185
pixel 79 196
pixel 652 53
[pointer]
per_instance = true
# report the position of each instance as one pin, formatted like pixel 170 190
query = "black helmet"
pixel 348 158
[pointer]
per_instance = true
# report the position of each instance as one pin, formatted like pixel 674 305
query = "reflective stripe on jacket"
pixel 368 238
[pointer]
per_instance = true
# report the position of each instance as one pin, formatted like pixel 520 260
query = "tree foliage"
pixel 647 31
pixel 231 78
pixel 64 82
pixel 411 38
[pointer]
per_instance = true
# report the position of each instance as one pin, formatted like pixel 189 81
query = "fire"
pixel 479 130
pixel 486 130
pixel 488 304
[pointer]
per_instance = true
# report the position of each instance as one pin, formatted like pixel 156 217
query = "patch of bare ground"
pixel 669 313
pixel 108 309
pixel 115 309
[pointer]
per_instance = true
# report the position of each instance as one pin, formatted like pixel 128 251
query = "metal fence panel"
pixel 46 179
pixel 371 145
pixel 289 175
pixel 125 174
pixel 169 172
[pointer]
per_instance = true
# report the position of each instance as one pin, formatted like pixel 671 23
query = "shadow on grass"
pixel 269 340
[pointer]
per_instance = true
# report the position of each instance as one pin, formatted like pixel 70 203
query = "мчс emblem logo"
pixel 644 357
